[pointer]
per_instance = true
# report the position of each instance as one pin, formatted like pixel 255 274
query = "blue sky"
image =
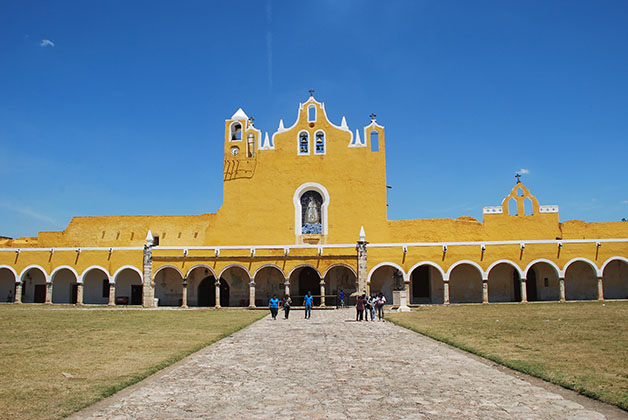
pixel 118 107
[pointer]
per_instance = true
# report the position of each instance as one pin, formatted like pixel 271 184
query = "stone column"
pixel 147 283
pixel 287 287
pixel 362 267
pixel 446 292
pixel 184 294
pixel 484 290
pixel 112 294
pixel 252 294
pixel 18 292
pixel 48 293
pixel 217 301
pixel 79 293
pixel 561 287
pixel 322 284
pixel 600 288
pixel 524 290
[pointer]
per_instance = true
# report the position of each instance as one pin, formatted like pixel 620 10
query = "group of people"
pixel 366 305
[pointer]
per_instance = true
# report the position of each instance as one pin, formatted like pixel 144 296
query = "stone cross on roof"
pixel 311 92
pixel 372 117
pixel 518 176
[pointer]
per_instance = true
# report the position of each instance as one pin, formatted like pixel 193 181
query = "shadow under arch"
pixel 615 278
pixel 504 281
pixel 465 282
pixel 426 283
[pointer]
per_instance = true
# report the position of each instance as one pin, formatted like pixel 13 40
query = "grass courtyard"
pixel 102 350
pixel 579 345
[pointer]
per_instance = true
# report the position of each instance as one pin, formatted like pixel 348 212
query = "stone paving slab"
pixel 330 367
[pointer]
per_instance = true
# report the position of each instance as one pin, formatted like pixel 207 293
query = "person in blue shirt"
pixel 342 298
pixel 307 302
pixel 273 304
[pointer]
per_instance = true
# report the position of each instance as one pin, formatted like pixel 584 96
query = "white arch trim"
pixel 543 260
pixel 12 270
pixel 79 279
pixel 232 266
pixel 469 262
pixel 391 264
pixel 269 266
pixel 39 267
pixel 511 263
pixel 584 260
pixel 343 265
pixel 95 267
pixel 127 267
pixel 205 266
pixel 163 267
pixel 611 259
pixel 431 264
pixel 301 266
pixel 296 200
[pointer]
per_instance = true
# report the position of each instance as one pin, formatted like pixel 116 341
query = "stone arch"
pixel 338 277
pixel 269 280
pixel 95 286
pixel 95 267
pixel 201 285
pixel 205 266
pixel 615 278
pixel 465 282
pixel 381 280
pixel 34 279
pixel 169 286
pixel 234 285
pixel 542 280
pixel 580 279
pixel 8 280
pixel 65 282
pixel 504 281
pixel 174 267
pixel 304 278
pixel 129 288
pixel 426 283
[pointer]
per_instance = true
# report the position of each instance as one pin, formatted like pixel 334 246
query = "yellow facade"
pixel 294 205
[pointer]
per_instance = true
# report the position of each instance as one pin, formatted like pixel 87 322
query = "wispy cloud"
pixel 524 171
pixel 46 43
pixel 625 202
pixel 27 211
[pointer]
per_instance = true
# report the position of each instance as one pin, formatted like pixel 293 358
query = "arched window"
pixel 311 113
pixel 320 143
pixel 304 143
pixel 236 131
pixel 311 214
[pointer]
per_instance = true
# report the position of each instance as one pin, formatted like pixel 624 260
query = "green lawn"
pixel 579 345
pixel 103 350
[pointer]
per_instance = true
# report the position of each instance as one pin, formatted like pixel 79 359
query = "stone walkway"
pixel 330 367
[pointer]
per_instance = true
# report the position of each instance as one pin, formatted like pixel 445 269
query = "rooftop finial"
pixel 251 121
pixel 311 93
pixel 373 117
pixel 518 176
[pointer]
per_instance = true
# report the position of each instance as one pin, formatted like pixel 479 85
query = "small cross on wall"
pixel 518 176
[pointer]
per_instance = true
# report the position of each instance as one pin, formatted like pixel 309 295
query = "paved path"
pixel 330 367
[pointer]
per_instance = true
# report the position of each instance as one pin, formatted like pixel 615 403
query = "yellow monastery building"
pixel 322 225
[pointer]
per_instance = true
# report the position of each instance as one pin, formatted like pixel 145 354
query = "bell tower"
pixel 241 138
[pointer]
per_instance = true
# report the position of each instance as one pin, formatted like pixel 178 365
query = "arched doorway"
pixel 269 281
pixel 615 280
pixel 302 280
pixel 64 287
pixel 169 287
pixel 382 281
pixel 426 285
pixel 96 287
pixel 234 287
pixel 207 292
pixel 339 278
pixel 129 290
pixel 580 281
pixel 34 286
pixel 504 283
pixel 465 284
pixel 542 282
pixel 7 285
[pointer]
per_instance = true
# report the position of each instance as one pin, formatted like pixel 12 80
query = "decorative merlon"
pixel 240 115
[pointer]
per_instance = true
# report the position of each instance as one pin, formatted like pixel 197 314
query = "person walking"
pixel 273 305
pixel 381 301
pixel 371 304
pixel 342 298
pixel 287 302
pixel 367 306
pixel 307 302
pixel 359 308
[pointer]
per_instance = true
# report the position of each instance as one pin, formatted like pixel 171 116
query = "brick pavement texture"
pixel 330 367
